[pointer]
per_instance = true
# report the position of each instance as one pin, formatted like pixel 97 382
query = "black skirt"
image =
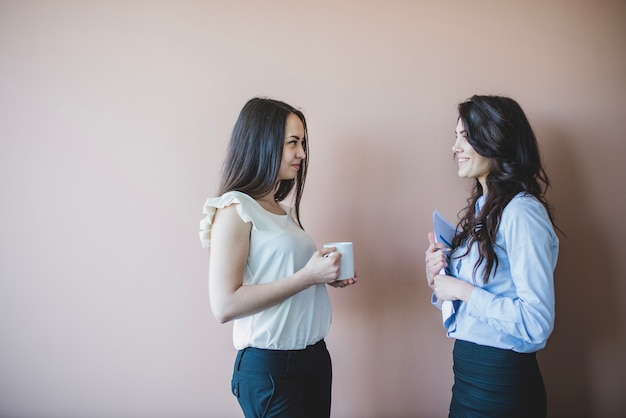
pixel 491 382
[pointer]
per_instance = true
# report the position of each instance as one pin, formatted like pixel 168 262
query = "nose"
pixel 301 153
pixel 456 147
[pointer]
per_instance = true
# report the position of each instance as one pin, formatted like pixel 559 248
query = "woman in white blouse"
pixel 501 267
pixel 265 272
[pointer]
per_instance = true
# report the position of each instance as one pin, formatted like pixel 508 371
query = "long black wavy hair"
pixel 255 151
pixel 498 129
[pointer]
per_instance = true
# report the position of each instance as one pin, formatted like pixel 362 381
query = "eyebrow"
pixel 464 131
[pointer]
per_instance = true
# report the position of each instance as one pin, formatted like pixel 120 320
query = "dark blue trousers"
pixel 283 383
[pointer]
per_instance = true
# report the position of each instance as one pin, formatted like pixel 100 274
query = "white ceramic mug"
pixel 347 258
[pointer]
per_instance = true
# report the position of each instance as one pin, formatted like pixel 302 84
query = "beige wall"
pixel 114 118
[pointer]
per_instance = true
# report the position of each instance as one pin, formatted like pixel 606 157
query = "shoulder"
pixel 246 205
pixel 236 203
pixel 525 214
pixel 523 205
pixel 227 199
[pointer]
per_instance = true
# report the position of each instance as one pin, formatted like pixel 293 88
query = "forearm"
pixel 245 300
pixel 529 322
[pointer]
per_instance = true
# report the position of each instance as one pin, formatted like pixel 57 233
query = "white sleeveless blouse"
pixel 278 248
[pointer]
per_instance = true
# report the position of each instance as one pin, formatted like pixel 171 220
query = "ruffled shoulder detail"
pixel 211 206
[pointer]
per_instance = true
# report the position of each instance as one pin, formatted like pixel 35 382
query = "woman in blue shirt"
pixel 501 266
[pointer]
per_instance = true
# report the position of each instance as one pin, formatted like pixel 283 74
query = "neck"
pixel 483 184
pixel 268 198
pixel 269 204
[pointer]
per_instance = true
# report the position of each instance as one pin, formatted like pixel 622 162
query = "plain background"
pixel 114 119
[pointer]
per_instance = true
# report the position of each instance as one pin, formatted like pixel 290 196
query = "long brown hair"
pixel 498 129
pixel 255 151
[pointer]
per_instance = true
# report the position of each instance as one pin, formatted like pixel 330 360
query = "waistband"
pixel 259 360
pixel 308 349
pixel 475 352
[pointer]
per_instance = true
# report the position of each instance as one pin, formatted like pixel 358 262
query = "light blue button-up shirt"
pixel 515 309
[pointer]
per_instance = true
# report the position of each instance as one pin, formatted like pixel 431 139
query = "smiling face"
pixel 293 150
pixel 470 163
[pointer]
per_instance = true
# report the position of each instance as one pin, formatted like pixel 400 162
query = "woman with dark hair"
pixel 265 273
pixel 500 267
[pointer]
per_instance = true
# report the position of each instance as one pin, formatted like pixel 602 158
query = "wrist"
pixel 304 278
pixel 466 292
